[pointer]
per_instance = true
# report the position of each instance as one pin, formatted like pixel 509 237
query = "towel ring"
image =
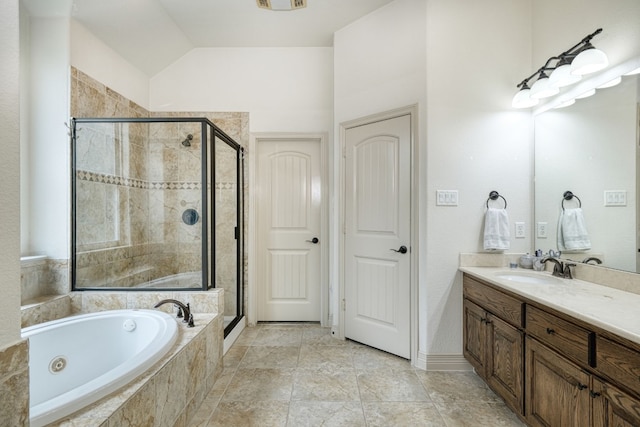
pixel 494 196
pixel 568 195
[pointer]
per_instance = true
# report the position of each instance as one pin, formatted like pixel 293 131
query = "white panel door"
pixel 288 218
pixel 377 235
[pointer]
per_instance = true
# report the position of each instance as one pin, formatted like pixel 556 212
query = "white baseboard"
pixel 444 362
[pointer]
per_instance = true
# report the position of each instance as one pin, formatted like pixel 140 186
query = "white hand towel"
pixel 572 231
pixel 496 230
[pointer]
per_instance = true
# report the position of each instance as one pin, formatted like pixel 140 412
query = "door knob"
pixel 402 249
pixel 314 240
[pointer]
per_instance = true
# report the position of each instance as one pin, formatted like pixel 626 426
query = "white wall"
pixel 90 55
pixel 477 53
pixel 443 56
pixel 283 89
pixel 25 150
pixel 9 173
pixel 48 137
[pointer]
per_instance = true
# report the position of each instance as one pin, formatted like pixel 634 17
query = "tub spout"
pixel 183 310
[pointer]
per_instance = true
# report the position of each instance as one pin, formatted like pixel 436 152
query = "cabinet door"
pixel 613 407
pixel 475 336
pixel 504 361
pixel 557 390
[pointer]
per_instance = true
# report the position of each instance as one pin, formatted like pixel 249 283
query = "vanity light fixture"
pixel 568 68
pixel 562 76
pixel 588 61
pixel 542 87
pixel 522 98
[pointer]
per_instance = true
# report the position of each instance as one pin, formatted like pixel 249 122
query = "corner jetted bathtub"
pixel 78 360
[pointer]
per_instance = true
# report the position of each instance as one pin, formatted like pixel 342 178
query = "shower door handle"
pixel 315 241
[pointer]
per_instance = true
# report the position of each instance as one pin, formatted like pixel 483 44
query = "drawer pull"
pixel 581 386
pixel 551 331
pixel 594 394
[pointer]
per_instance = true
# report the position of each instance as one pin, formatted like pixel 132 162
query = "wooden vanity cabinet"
pixel 551 369
pixel 493 346
pixel 557 390
pixel 613 407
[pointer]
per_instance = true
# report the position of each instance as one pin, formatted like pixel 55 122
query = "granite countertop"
pixel 611 309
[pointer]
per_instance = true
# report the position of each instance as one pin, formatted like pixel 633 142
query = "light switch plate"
pixel 446 197
pixel 615 198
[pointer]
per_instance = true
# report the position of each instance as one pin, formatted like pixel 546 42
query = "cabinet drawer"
pixel 502 305
pixel 619 363
pixel 569 339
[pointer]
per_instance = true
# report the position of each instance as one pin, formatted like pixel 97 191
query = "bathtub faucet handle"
pixel 184 311
pixel 190 321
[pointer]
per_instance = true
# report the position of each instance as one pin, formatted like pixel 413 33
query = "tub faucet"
pixel 183 310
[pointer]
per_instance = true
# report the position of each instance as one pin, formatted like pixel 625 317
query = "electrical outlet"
pixel 520 232
pixel 541 230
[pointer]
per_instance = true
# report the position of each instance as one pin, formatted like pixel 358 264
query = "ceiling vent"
pixel 282 4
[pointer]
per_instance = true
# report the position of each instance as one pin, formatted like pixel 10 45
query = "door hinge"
pixel 344 151
pixel 344 305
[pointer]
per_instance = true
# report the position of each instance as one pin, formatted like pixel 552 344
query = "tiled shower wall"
pixel 138 249
pixel 236 126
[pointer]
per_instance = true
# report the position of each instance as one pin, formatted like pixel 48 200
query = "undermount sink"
pixel 529 278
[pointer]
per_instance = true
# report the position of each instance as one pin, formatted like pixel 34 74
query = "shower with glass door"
pixel 157 205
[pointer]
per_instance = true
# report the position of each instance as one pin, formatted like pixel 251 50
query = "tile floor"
pixel 298 375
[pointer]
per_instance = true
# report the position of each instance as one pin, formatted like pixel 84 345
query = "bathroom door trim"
pixel 252 291
pixel 412 111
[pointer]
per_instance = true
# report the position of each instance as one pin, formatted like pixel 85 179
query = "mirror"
pixel 591 149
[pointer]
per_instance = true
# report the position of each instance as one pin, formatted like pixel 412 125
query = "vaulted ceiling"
pixel 152 34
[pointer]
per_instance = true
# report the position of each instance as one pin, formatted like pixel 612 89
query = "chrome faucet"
pixel 183 310
pixel 560 269
pixel 592 258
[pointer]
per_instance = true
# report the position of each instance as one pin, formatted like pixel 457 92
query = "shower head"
pixel 187 141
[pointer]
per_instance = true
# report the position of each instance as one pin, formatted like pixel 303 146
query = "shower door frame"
pixel 208 146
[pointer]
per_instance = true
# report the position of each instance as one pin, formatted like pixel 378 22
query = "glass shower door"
pixel 226 199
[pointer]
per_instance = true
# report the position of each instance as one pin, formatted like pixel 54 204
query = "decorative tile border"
pixel 102 178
